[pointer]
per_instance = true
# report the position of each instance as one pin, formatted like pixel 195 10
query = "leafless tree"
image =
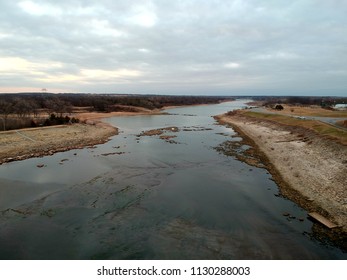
pixel 5 111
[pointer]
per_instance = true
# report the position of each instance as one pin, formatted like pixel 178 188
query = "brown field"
pixel 310 111
pixel 323 129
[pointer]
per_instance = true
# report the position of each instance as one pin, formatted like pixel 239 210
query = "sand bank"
pixel 36 142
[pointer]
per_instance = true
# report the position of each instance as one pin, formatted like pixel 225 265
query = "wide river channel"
pixel 146 197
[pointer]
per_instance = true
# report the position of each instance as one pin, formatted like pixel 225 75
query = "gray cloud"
pixel 174 47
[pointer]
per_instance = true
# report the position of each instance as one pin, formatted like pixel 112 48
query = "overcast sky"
pixel 227 47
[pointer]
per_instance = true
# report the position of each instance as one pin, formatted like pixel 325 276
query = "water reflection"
pixel 145 198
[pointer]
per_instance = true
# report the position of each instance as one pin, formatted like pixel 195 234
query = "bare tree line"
pixel 25 110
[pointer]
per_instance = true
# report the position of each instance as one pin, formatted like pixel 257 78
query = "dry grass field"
pixel 321 128
pixel 310 111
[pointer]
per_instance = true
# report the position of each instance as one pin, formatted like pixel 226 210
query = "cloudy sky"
pixel 227 47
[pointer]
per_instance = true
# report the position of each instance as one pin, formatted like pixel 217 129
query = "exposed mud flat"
pixel 158 131
pixel 40 142
pixel 242 151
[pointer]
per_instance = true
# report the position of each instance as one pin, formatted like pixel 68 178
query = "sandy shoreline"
pixel 309 169
pixel 37 142
pixel 92 116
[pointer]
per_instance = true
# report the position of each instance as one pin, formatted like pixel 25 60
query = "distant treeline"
pixel 325 102
pixel 30 102
pixel 26 109
pixel 36 109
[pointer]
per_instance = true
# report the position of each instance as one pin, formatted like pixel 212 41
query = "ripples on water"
pixel 145 198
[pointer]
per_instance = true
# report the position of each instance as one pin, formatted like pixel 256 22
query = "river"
pixel 143 197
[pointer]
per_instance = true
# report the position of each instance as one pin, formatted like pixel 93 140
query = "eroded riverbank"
pixel 309 169
pixel 141 196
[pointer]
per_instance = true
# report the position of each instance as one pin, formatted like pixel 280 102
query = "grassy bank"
pixel 321 128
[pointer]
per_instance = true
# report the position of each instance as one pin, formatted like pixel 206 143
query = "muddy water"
pixel 150 198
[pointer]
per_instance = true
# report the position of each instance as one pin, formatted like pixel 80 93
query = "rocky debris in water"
pixel 48 213
pixel 196 128
pixel 40 165
pixel 115 153
pixel 62 161
pixel 222 133
pixel 167 137
pixel 13 211
pixel 241 151
pixel 158 131
pixel 289 216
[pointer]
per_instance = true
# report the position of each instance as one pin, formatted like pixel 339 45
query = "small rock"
pixel 40 165
pixel 286 214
